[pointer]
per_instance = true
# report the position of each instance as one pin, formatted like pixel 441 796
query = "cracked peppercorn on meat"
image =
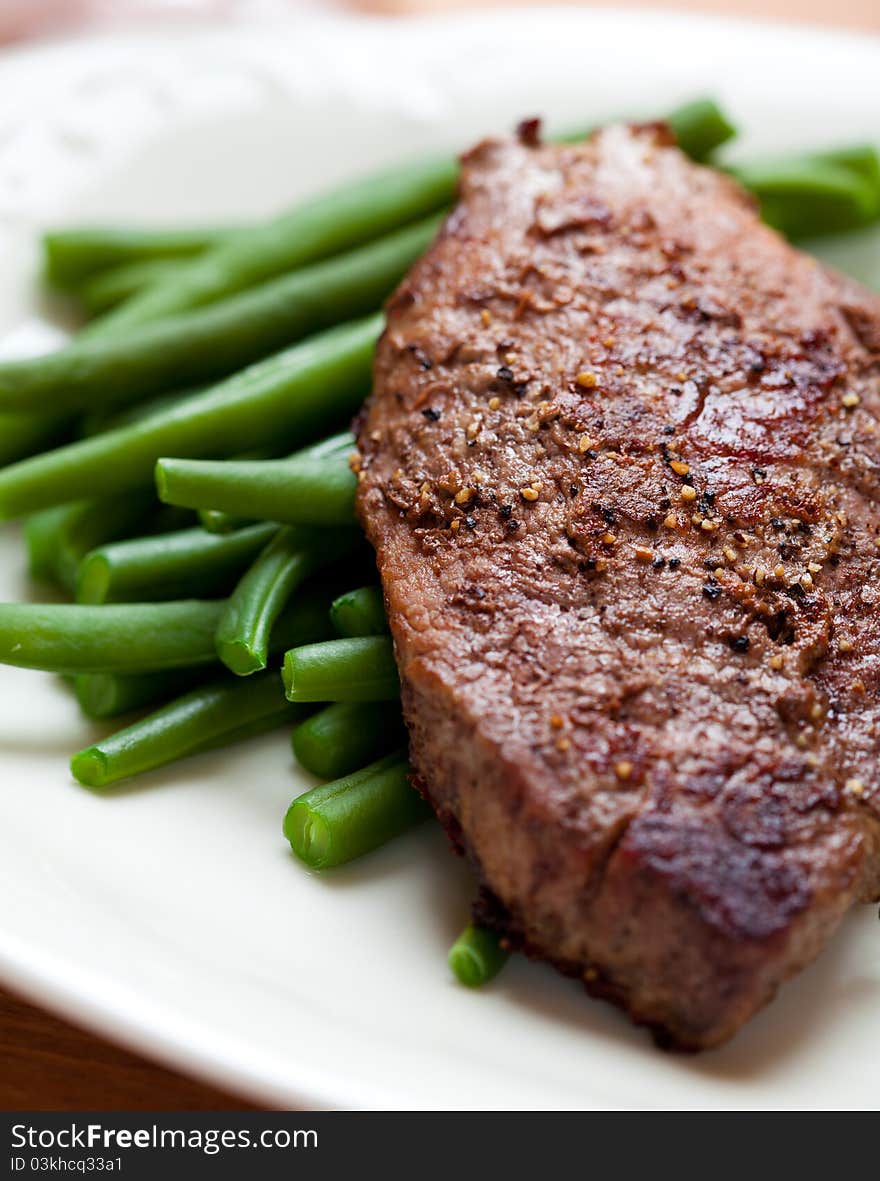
pixel 620 469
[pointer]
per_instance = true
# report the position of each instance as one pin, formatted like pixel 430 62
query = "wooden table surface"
pixel 49 1064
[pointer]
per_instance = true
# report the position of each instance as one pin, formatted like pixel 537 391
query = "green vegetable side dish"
pixel 809 195
pixel 58 539
pixel 310 389
pixel 161 600
pixel 218 521
pixel 108 289
pixel 107 695
pixel 23 434
pixel 210 343
pixel 700 127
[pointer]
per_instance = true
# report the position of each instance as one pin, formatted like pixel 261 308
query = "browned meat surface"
pixel 621 473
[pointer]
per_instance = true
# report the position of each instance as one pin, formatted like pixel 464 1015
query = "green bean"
pixel 308 389
pixel 700 127
pixel 23 434
pixel 863 159
pixel 319 228
pixel 806 196
pixel 477 955
pixel 359 612
pixel 77 253
pixel 106 695
pixel 303 489
pixel 107 289
pixel 184 564
pixel 357 669
pixel 286 561
pixel 121 637
pixel 339 821
pixel 342 737
pixel 211 342
pixel 207 715
pixel 58 539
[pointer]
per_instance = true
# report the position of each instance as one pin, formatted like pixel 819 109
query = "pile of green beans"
pixel 211 342
pixel 183 468
pixel 309 389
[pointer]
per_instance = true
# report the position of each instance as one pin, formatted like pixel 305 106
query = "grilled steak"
pixel 620 469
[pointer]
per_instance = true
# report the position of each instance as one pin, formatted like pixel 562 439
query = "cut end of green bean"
pixel 476 956
pixel 89 768
pixel 240 658
pixel 161 480
pixel 467 967
pixel 309 835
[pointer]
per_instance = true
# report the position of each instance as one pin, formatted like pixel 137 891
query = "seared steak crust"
pixel 620 469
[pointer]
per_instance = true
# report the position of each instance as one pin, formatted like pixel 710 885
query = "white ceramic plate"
pixel 172 916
